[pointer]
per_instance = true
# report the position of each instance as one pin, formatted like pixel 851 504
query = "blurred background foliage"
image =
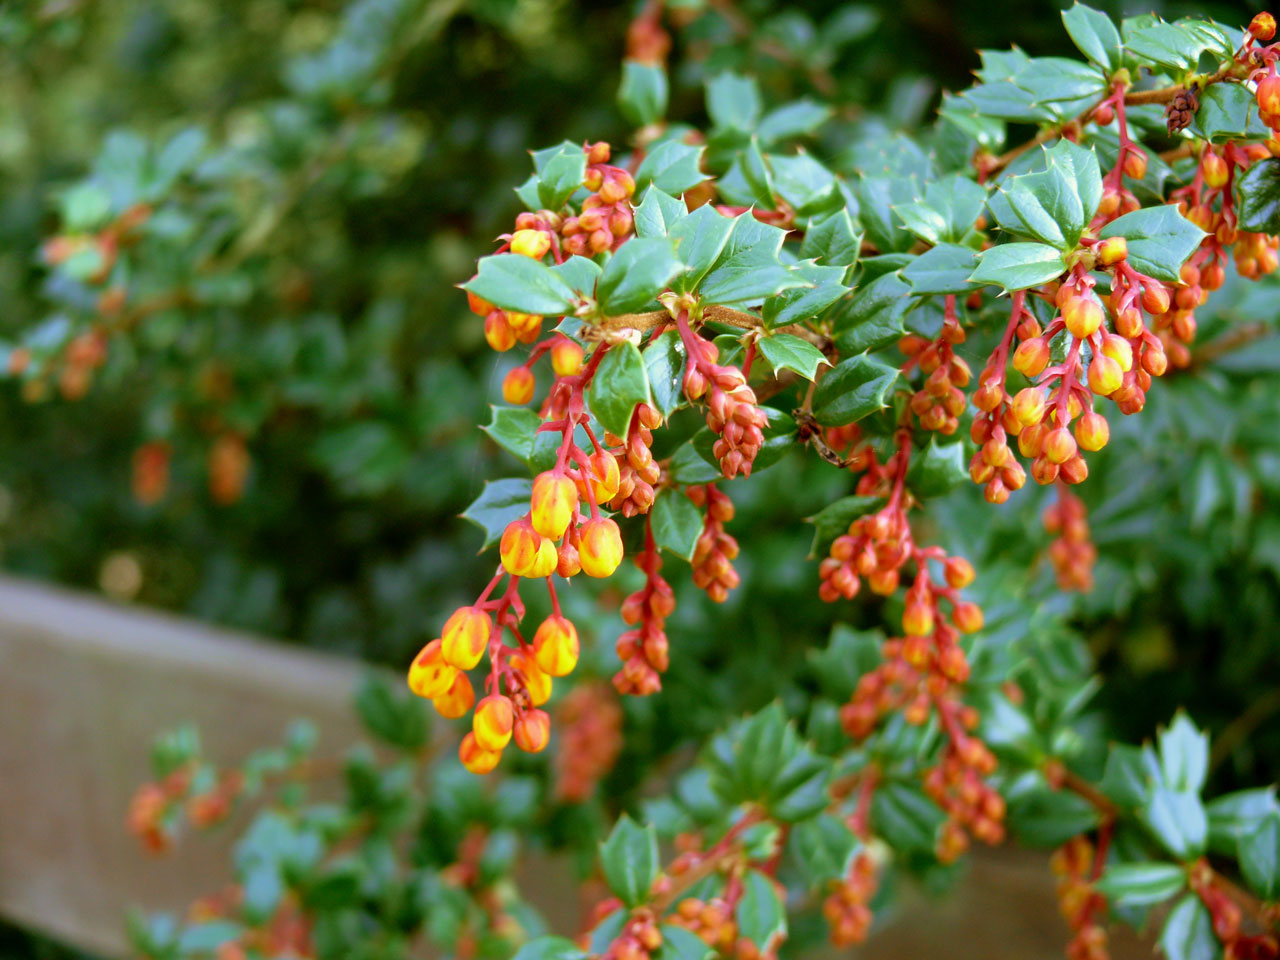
pixel 333 170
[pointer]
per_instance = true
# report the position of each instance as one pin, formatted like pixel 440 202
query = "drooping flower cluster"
pixel 643 648
pixel 940 402
pixel 589 719
pixel 638 472
pixel 1072 552
pixel 847 907
pixel 1076 865
pixel 714 553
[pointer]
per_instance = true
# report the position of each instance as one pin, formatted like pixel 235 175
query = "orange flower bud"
pixel 478 305
pixel 532 731
pixel 1031 357
pixel 465 637
pixel 493 721
pixel 566 357
pixel 1118 349
pixel 536 680
pixel 530 243
pixel 1215 171
pixel 517 386
pixel 1112 250
pixel 567 562
pixel 1092 431
pixel 603 475
pixel 600 547
pixel 546 561
pixel 1105 375
pixel 429 674
pixel 554 503
pixel 1135 165
pixel 457 700
pixel 1268 93
pixel 967 617
pixel 917 619
pixel 524 323
pixel 475 757
pixel 1263 27
pixel 1059 446
pixel 1082 315
pixel 520 547
pixel 959 572
pixel 1029 406
pixel 555 646
pixel 1155 299
pixel 498 333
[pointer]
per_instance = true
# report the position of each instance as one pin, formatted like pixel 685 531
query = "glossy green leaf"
pixel 871 317
pixel 1188 932
pixel 822 848
pixel 1259 193
pixel 550 948
pixel 1019 266
pixel 499 503
pixel 676 523
pixel 561 175
pixel 938 468
pixel 513 429
pixel 1094 35
pixel 787 352
pixel 700 238
pixel 905 817
pixel 853 389
pixel 760 914
pixel 944 269
pixel 1141 884
pixel 664 359
pixel 1176 819
pixel 733 101
pixel 681 944
pixel 642 95
pixel 619 384
pixel 672 167
pixel 1259 855
pixel 636 273
pixel 802 304
pixel 515 282
pixel 629 860
pixel 1228 111
pixel 1184 755
pixel 832 240
pixel 658 213
pixel 1160 240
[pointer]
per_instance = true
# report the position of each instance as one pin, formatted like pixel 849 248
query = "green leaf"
pixel 1184 755
pixel 802 304
pixel 833 520
pixel 877 197
pixel 560 175
pixel 700 238
pixel 1259 192
pixel 1160 240
pixel 1129 775
pixel 261 890
pixel 1177 819
pixel 905 817
pixel 942 270
pixel 938 469
pixel 802 181
pixel 1019 266
pixel 1042 817
pixel 513 429
pixel 760 913
pixel 579 273
pixel 947 212
pixel 1233 815
pixel 855 388
pixel 795 119
pixel 733 101
pixel 1177 46
pixel 672 167
pixel 1228 111
pixel 499 503
pixel 85 207
pixel 397 720
pixel 1069 85
pixel 1094 35
pixel 1188 932
pixel 823 848
pixel 1259 855
pixel 658 213
pixel 619 384
pixel 751 273
pixel 515 282
pixel 832 240
pixel 676 523
pixel 642 95
pixel 1141 884
pixel 629 859
pixel 205 938
pixel 871 318
pixel 787 352
pixel 550 948
pixel 751 168
pixel 635 274
pixel 681 944
pixel 664 366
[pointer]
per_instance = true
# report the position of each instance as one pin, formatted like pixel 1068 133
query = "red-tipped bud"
pixel 1105 375
pixel 1029 406
pixel 493 721
pixel 517 386
pixel 1112 250
pixel 532 731
pixel 498 332
pixel 1031 357
pixel 566 357
pixel 457 700
pixel 465 637
pixel 429 674
pixel 554 503
pixel 600 547
pixel 1262 27
pixel 555 646
pixel 959 572
pixel 967 617
pixel 536 680
pixel 1092 431
pixel 1082 315
pixel 475 757
pixel 530 243
pixel 1059 446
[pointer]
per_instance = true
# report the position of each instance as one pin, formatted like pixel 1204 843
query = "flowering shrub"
pixel 917 312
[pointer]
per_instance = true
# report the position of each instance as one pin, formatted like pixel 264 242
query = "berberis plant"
pixel 693 307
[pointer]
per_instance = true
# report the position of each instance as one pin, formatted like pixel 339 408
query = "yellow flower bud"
pixel 475 757
pixel 429 674
pixel 465 637
pixel 530 243
pixel 566 357
pixel 1082 315
pixel 519 547
pixel 554 502
pixel 1105 375
pixel 602 474
pixel 457 700
pixel 517 386
pixel 492 722
pixel 532 731
pixel 536 680
pixel 600 547
pixel 555 646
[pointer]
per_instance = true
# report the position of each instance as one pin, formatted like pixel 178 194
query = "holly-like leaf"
pixel 1094 35
pixel 676 523
pixel 1184 755
pixel 872 316
pixel 833 520
pixel 802 181
pixel 761 917
pixel 938 469
pixel 1259 855
pixel 513 429
pixel 855 388
pixel 822 847
pixel 832 240
pixel 700 238
pixel 1160 240
pixel 1141 884
pixel 1177 819
pixel 658 213
pixel 642 95
pixel 787 352
pixel 1233 815
pixel 664 365
pixel 515 282
pixel 798 118
pixel 750 273
pixel 1228 111
pixel 635 274
pixel 947 211
pixel 733 101
pixel 1188 932
pixel 1129 775
pixel 1177 46
pixel 944 269
pixel 1259 191
pixel 629 860
pixel 1019 266
pixel 619 384
pixel 800 304
pixel 672 167
pixel 560 175
pixel 499 503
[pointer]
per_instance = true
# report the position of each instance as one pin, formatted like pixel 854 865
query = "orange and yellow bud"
pixel 554 502
pixel 1031 357
pixel 1029 406
pixel 1112 250
pixel 1092 431
pixel 1268 93
pixel 532 731
pixel 567 562
pixel 599 547
pixel 603 474
pixel 959 572
pixel 457 700
pixel 555 646
pixel 1105 375
pixel 1156 299
pixel 429 674
pixel 475 757
pixel 520 547
pixel 479 306
pixel 465 637
pixel 1215 171
pixel 1263 27
pixel 566 357
pixel 492 722
pixel 498 333
pixel 1118 349
pixel 967 617
pixel 1058 446
pixel 1083 316
pixel 517 386
pixel 1135 165
pixel 536 680
pixel 524 323
pixel 917 619
pixel 530 243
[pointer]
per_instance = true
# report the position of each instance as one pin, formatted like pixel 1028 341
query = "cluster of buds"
pixel 589 719
pixel 847 440
pixel 1262 29
pixel 1072 551
pixel 993 464
pixel 606 220
pixel 732 413
pixel 713 923
pixel 228 464
pixel 1074 864
pixel 939 403
pixel 847 907
pixel 502 329
pixel 1131 160
pixel 643 648
pixel 958 787
pixel 1226 916
pixel 205 799
pixel 715 550
pixel 151 472
pixel 640 938
pixel 638 472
